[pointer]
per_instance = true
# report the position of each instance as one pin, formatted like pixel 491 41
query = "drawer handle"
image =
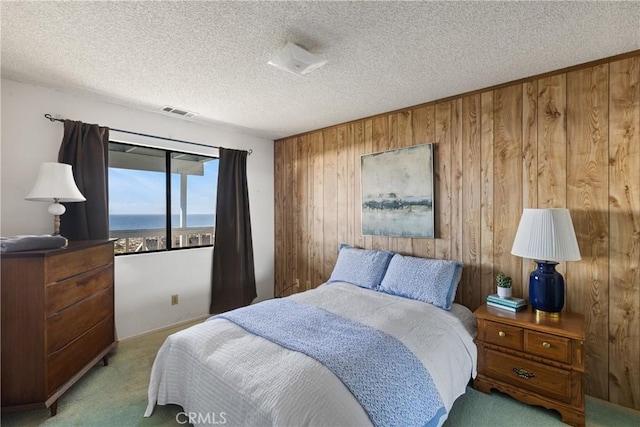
pixel 546 345
pixel 502 334
pixel 523 373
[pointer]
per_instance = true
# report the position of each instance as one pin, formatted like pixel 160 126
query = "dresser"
pixel 57 320
pixel 536 359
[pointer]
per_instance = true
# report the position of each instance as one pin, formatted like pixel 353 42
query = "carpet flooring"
pixel 116 395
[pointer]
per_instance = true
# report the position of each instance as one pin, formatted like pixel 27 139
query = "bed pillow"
pixel 360 267
pixel 429 280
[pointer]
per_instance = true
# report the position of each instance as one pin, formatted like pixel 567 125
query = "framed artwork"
pixel 397 192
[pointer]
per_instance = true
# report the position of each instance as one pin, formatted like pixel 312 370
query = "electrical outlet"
pixel 308 284
pixel 297 284
pixel 174 299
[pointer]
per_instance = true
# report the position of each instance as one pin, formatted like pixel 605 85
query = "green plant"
pixel 503 281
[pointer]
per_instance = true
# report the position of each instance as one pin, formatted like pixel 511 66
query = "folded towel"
pixel 31 242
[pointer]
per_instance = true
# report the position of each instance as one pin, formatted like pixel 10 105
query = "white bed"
pixel 217 370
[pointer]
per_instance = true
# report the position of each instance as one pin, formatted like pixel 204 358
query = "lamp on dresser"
pixel 547 237
pixel 55 184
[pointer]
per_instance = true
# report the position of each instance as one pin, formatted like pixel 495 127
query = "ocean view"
pixel 139 222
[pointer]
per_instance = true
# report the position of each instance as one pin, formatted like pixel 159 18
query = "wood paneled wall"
pixel 569 139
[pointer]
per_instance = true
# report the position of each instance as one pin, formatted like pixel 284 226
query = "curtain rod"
pixel 53 119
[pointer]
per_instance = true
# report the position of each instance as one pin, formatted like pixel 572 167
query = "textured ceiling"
pixel 211 57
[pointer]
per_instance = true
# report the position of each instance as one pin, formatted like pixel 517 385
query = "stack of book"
pixel 509 304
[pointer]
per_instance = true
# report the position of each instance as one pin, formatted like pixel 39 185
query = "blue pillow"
pixel 429 280
pixel 360 267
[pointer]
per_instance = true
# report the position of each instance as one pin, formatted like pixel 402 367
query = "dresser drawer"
pixel 502 335
pixel 543 379
pixel 72 322
pixel 67 264
pixel 65 362
pixel 548 346
pixel 61 295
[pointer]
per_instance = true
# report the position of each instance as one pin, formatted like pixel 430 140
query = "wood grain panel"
pixel 423 129
pixel 359 149
pixel 552 143
pixel 442 171
pixel 486 191
pixel 296 210
pixel 529 165
pixel 330 202
pixel 624 228
pixel 279 196
pixel 507 175
pixel 456 227
pixel 470 289
pixel 302 208
pixel 379 142
pixel 342 207
pixel 289 215
pixel 317 252
pixel 587 198
pixel 404 139
pixel 309 143
pixel 352 196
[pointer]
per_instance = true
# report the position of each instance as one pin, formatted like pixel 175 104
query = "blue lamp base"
pixel 546 288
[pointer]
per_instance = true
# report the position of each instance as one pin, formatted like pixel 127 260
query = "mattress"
pixel 217 370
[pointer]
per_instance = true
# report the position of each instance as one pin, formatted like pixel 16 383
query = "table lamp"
pixel 547 237
pixel 55 184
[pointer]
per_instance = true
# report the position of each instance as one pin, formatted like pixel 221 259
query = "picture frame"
pixel 397 192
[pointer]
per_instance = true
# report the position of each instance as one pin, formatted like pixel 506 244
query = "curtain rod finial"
pixel 54 118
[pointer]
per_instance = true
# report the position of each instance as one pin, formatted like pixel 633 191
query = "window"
pixel 147 204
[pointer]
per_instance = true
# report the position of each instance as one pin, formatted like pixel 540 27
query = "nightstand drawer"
pixel 502 335
pixel 543 379
pixel 548 346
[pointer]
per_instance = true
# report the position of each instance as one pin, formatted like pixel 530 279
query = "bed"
pixel 343 354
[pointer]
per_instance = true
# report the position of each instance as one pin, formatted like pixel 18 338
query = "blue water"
pixel 139 222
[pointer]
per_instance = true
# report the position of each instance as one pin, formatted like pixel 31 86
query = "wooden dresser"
pixel 57 320
pixel 536 359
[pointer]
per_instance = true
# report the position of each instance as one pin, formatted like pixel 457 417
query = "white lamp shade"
pixel 546 235
pixel 55 181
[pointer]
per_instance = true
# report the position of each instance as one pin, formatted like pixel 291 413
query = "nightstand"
pixel 536 359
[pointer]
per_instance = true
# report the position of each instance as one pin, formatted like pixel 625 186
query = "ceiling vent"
pixel 297 60
pixel 178 111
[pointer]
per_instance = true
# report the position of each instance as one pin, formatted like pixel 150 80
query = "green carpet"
pixel 116 395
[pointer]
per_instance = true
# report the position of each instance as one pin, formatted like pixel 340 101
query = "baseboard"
pixel 164 328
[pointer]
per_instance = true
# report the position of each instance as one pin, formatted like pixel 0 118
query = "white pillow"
pixel 429 280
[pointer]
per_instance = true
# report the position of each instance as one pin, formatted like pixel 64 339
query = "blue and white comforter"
pixel 218 369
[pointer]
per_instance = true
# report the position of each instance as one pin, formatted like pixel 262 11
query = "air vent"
pixel 178 111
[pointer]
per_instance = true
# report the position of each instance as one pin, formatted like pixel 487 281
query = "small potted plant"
pixel 504 285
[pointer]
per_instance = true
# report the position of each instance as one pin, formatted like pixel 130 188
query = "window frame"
pixel 168 211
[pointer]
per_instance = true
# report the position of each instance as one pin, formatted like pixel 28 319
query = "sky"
pixel 134 192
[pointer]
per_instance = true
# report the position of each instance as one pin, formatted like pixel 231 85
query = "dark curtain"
pixel 86 148
pixel 233 282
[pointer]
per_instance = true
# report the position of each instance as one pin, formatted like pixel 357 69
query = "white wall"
pixel 144 283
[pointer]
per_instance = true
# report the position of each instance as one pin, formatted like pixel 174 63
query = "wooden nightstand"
pixel 536 359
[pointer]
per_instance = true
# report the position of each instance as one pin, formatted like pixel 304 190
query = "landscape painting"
pixel 397 192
